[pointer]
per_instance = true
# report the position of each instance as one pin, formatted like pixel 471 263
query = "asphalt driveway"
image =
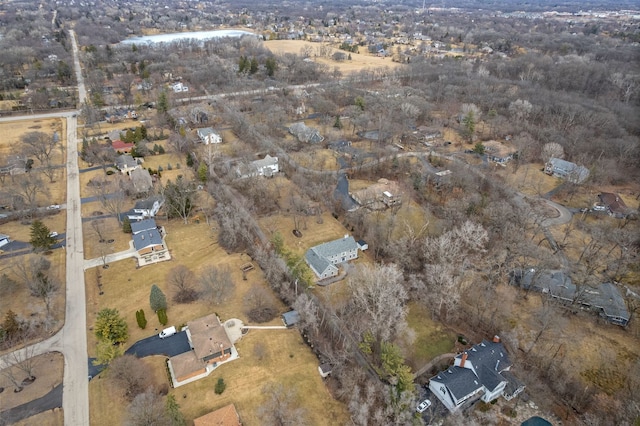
pixel 51 400
pixel 170 346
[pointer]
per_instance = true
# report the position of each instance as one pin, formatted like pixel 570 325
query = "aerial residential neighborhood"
pixel 319 213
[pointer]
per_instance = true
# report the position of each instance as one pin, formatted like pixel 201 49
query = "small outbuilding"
pixel 290 318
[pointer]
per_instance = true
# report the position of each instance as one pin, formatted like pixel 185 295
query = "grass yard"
pixel 266 356
pixel 432 339
pixel 48 418
pixel 320 159
pixel 313 233
pixel 107 406
pixel 529 179
pixel 358 62
pixel 111 230
pixel 47 370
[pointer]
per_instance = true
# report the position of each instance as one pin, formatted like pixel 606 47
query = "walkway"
pixel 113 257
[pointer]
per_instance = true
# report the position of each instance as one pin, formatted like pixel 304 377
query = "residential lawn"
pixel 432 339
pixel 266 356
pixel 47 370
pixel 529 179
pixel 285 357
pixel 320 159
pixel 48 418
pixel 313 233
pixel 106 402
pixel 111 230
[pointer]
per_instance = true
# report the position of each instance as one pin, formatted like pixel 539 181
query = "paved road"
pixel 170 346
pixel 72 339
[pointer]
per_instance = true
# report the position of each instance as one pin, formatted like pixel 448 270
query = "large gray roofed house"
pixel 567 170
pixel 459 381
pixel 605 298
pixel 305 133
pixel 125 161
pixel 150 237
pixel 318 263
pixel 323 258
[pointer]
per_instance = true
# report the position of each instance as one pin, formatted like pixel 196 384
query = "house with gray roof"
pixel 145 209
pixel 478 373
pixel 267 167
pixel 126 164
pixel 207 135
pixel 605 299
pixel 148 241
pixel 324 259
pixel 304 133
pixel 566 170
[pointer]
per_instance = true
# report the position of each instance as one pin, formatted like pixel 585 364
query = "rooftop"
pixel 208 336
pixel 143 225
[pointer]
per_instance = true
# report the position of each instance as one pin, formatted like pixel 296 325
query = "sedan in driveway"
pixel 423 406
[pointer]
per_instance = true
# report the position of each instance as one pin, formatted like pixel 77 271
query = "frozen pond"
pixel 196 35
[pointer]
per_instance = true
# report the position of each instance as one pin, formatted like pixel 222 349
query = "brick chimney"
pixel 496 339
pixel 463 360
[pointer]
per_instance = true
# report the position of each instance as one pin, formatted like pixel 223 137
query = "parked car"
pixel 423 406
pixel 53 234
pixel 167 332
pixel 54 207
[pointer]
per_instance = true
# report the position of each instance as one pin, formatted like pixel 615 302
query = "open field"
pixel 111 230
pixel 529 179
pixel 48 418
pixel 47 370
pixel 358 61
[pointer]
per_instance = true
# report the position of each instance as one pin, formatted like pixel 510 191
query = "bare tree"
pixel 34 274
pixel 260 305
pixel 147 409
pixel 41 146
pixel 131 374
pixel 26 189
pixel 111 194
pixel 217 285
pixel 377 302
pixel 23 360
pixel 551 150
pixel 281 407
pixel 183 280
pixel 98 227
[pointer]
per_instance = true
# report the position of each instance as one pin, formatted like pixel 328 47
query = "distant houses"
pixel 566 170
pixel 605 299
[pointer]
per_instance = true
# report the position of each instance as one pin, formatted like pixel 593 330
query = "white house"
pixel 207 135
pixel 268 166
pixel 179 87
pixel 566 170
pixel 479 373
pixel 322 259
pixel 145 209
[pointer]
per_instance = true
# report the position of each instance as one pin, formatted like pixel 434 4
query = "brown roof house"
pixel 225 416
pixel 212 345
pixel 613 205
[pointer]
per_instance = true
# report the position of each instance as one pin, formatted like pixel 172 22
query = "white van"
pixel 167 332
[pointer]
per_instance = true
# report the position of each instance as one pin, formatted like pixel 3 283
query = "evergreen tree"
pixel 271 66
pixel 203 172
pixel 157 299
pixel 253 67
pixel 172 411
pixel 163 102
pixel 110 326
pixel 126 225
pixel 41 238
